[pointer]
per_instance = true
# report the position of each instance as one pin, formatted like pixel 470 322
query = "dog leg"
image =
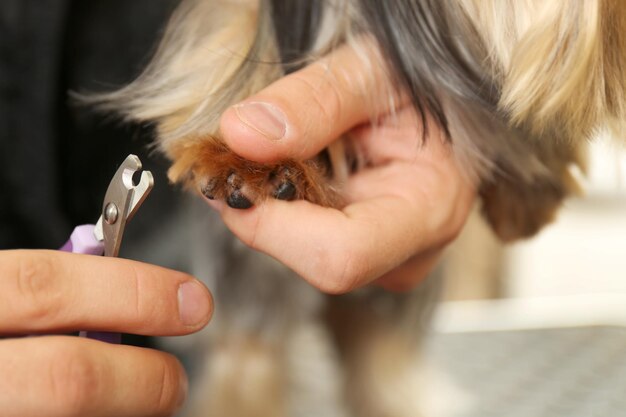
pixel 243 377
pixel 379 337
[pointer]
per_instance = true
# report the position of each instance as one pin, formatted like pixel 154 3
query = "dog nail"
pixel 285 191
pixel 209 189
pixel 238 200
pixel 233 180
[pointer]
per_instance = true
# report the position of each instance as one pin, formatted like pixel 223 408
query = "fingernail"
pixel 265 118
pixel 194 303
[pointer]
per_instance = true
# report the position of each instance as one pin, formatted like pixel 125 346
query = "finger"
pixel 300 114
pixel 337 251
pixel 43 291
pixel 398 137
pixel 397 210
pixel 70 376
pixel 411 272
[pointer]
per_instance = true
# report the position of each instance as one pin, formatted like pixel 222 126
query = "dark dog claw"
pixel 285 191
pixel 209 189
pixel 238 200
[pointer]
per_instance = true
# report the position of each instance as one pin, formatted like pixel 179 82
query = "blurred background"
pixel 582 252
pixel 536 328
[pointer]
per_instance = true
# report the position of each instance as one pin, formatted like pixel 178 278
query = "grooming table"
pixel 551 357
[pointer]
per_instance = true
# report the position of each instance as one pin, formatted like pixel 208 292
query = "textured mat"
pixel 564 372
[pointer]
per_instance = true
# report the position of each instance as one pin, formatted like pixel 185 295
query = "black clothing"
pixel 56 158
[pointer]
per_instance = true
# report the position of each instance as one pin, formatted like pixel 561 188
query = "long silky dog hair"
pixel 518 86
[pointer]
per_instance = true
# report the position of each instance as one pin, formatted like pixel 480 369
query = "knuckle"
pixel 38 286
pixel 454 231
pixel 343 271
pixel 75 380
pixel 447 233
pixel 455 224
pixel 324 93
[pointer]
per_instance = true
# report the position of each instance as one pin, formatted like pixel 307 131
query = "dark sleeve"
pixel 56 158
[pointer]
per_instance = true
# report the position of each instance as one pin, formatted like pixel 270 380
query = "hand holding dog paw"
pixel 409 202
pixel 46 292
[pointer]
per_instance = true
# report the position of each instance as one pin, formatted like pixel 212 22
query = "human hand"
pixel 402 210
pixel 54 292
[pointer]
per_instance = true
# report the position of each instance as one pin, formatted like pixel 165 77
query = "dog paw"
pixel 220 174
pixel 242 187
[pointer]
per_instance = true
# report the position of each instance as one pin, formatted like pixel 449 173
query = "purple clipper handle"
pixel 83 240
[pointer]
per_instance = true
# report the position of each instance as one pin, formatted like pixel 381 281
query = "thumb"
pixel 301 113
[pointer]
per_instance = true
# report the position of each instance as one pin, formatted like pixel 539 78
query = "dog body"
pixel 276 346
pixel 519 86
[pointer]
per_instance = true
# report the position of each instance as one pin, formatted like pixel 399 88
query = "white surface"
pixel 531 313
pixel 584 251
